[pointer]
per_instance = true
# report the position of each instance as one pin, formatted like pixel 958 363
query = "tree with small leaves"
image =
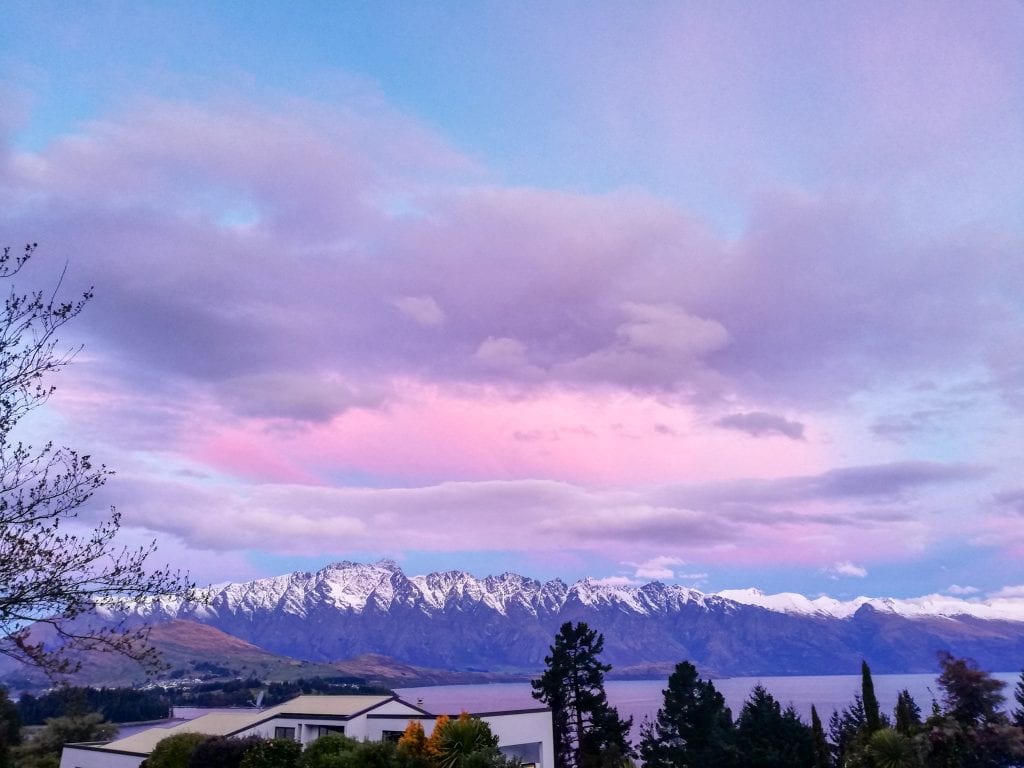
pixel 53 570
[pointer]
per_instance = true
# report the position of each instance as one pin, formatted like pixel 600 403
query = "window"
pixel 280 732
pixel 323 730
pixel 391 736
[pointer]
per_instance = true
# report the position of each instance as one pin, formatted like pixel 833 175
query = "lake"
pixel 642 698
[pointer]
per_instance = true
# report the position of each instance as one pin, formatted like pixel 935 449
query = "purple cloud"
pixel 759 424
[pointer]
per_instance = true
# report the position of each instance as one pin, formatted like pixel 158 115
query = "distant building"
pixel 525 734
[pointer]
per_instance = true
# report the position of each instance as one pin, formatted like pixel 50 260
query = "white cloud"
pixel 423 309
pixel 847 568
pixel 657 567
pixel 1008 592
pixel 956 589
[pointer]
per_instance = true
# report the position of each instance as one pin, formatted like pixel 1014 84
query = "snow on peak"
pixel 356 587
pixel 917 607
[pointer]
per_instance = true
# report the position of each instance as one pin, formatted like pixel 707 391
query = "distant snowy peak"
pixel 382 586
pixel 1004 609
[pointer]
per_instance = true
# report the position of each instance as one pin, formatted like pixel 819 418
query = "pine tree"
pixel 907 714
pixel 872 713
pixel 769 737
pixel 1018 694
pixel 694 728
pixel 587 730
pixel 822 752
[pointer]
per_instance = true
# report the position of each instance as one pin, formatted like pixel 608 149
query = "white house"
pixel 525 734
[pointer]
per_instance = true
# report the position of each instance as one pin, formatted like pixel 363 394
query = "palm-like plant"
pixel 465 736
pixel 890 749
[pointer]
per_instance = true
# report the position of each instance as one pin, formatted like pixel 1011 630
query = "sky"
pixel 719 294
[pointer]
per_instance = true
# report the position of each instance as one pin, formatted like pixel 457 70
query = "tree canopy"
pixel 53 569
pixel 694 727
pixel 587 729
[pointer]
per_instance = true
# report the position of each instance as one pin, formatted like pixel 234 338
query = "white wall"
pixel 76 757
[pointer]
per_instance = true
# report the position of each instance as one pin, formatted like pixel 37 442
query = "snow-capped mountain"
pixel 454 620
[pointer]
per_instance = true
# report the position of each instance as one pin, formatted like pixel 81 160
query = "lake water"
pixel 642 698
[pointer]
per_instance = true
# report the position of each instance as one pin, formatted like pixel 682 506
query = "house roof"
pixel 228 723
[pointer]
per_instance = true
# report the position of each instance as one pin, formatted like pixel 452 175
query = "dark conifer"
pixel 694 728
pixel 872 713
pixel 587 730
pixel 822 752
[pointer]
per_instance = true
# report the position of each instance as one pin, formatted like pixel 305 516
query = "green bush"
pixel 174 751
pixel 273 753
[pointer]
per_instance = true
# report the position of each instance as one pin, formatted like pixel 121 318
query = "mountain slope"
pixel 453 620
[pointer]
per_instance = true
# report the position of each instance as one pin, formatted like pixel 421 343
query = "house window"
pixel 323 730
pixel 280 732
pixel 391 736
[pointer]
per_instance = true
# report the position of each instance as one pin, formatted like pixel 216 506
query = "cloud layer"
pixel 773 323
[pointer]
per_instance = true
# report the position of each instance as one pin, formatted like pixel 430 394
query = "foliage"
pixel 872 712
pixel 587 730
pixel 970 731
pixel 273 753
pixel 846 729
pixel 1018 695
pixel 693 729
pixel 888 748
pixel 328 751
pixel 119 705
pixel 768 737
pixel 413 742
pixel 44 749
pixel 10 728
pixel 221 751
pixel 465 740
pixel 820 747
pixel 971 696
pixel 174 751
pixel 907 714
pixel 51 576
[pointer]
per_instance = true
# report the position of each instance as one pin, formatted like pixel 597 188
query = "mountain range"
pixel 505 624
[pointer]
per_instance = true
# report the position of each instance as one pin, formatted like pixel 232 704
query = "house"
pixel 525 734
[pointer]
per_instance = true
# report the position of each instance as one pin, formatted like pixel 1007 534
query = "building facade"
pixel 525 734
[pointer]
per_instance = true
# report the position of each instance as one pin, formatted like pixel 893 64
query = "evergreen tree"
pixel 872 712
pixel 845 729
pixel 822 752
pixel 768 737
pixel 907 714
pixel 587 730
pixel 10 728
pixel 694 728
pixel 1018 694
